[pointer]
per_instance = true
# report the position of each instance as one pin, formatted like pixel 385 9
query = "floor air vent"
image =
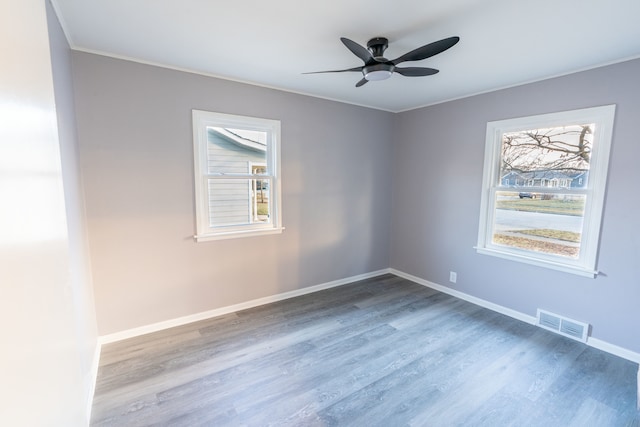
pixel 562 325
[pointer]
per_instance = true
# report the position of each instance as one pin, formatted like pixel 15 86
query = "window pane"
pixel 232 151
pixel 556 157
pixel 542 222
pixel 235 202
pixel 261 209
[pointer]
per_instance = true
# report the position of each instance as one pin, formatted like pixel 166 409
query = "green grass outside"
pixel 567 236
pixel 263 208
pixel 559 207
pixel 537 245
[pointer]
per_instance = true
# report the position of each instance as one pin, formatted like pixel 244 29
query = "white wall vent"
pixel 563 326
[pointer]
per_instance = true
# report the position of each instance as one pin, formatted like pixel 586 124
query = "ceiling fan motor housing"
pixel 377 46
pixel 382 69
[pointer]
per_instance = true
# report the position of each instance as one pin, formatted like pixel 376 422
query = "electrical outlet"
pixel 453 276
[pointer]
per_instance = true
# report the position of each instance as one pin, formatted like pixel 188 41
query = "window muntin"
pixel 543 188
pixel 236 175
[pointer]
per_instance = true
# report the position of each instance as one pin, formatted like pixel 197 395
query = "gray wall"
pixel 46 311
pixel 134 124
pixel 81 286
pixel 437 169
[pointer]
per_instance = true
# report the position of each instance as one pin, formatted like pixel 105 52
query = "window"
pixel 237 175
pixel 549 225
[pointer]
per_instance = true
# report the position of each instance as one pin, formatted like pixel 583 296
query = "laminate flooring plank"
pixel 271 344
pixel 588 377
pixel 592 412
pixel 506 410
pixel 148 340
pixel 481 385
pixel 195 395
pixel 340 364
pixel 255 341
pixel 429 379
pixel 246 391
pixel 408 391
pixel 557 356
pixel 368 367
pixel 209 360
pixel 379 352
pixel 236 383
pixel 521 391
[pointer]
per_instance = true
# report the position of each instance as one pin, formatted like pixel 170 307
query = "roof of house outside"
pixel 241 141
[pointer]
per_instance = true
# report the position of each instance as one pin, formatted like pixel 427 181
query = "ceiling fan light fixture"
pixel 376 67
pixel 378 72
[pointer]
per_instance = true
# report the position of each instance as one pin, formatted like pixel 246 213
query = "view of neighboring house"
pixel 234 200
pixel 545 179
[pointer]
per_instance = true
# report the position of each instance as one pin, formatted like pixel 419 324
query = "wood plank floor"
pixel 380 352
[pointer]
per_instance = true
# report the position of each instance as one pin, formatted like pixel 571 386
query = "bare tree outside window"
pixel 550 153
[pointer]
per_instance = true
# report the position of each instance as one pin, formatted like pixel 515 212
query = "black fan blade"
pixel 428 50
pixel 357 50
pixel 416 71
pixel 362 82
pixel 335 71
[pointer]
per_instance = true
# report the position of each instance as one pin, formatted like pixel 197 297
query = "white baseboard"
pixel 155 327
pixel 477 301
pixel 614 349
pixel 593 342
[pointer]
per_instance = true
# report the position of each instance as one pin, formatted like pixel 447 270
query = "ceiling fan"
pixel 377 67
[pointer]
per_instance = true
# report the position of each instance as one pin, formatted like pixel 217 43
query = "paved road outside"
pixel 518 220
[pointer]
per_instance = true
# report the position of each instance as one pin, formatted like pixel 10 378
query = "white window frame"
pixel 205 119
pixel 585 264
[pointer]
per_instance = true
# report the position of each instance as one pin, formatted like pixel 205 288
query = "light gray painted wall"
pixel 80 284
pixel 437 169
pixel 134 124
pixel 46 356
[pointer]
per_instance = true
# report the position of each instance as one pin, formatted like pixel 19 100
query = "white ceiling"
pixel 271 43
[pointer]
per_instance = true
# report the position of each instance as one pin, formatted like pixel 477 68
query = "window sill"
pixel 236 234
pixel 566 268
